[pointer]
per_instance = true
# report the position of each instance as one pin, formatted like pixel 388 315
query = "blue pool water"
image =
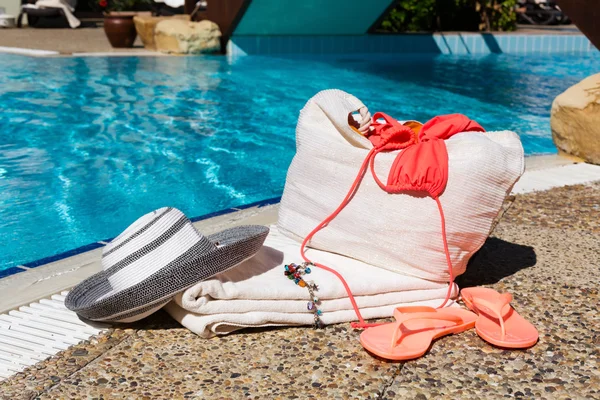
pixel 87 145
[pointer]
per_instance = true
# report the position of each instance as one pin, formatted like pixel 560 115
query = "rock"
pixel 575 120
pixel 145 25
pixel 181 37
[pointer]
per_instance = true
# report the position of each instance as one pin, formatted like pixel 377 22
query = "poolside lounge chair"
pixel 48 9
pixel 167 8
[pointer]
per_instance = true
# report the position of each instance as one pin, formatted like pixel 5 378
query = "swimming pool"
pixel 87 145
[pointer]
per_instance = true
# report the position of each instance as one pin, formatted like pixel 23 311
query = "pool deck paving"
pixel 66 41
pixel 91 39
pixel 545 251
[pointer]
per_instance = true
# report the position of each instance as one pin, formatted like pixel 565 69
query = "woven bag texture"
pixel 398 232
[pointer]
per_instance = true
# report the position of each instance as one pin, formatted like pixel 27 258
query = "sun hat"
pixel 158 256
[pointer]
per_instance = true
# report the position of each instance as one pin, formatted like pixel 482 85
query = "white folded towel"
pixel 256 293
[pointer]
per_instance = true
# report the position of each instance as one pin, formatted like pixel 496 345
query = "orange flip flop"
pixel 415 328
pixel 499 323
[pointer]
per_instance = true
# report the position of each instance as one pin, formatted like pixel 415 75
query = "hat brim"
pixel 93 300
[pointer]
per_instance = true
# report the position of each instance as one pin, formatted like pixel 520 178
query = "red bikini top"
pixel 423 163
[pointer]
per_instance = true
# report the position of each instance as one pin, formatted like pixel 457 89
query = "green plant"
pixel 120 5
pixel 497 15
pixel 444 15
pixel 410 16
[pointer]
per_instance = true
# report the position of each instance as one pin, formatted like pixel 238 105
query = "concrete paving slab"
pixel 63 41
pixel 545 254
pixel 533 163
pixel 46 280
pixel 547 178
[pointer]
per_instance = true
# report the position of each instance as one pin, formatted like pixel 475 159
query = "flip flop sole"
pixel 377 340
pixel 520 333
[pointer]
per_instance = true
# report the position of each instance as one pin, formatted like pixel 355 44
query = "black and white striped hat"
pixel 158 256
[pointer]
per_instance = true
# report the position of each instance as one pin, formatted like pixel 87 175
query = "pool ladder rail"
pixel 38 331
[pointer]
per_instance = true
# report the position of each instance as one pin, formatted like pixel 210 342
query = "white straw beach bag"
pixel 401 231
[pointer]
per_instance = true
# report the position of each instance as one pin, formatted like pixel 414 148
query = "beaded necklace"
pixel 295 272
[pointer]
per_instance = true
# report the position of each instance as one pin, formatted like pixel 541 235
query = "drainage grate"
pixel 40 330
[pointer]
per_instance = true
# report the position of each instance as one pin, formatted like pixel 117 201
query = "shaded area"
pixel 496 260
pixel 346 45
pixel 436 15
pixel 309 17
pixel 491 42
pixel 585 14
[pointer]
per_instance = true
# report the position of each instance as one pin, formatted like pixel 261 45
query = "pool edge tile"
pixel 61 256
pixel 259 204
pixel 11 271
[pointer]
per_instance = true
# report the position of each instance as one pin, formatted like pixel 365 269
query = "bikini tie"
pixel 420 166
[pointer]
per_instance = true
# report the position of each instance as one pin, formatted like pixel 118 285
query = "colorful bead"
pixel 295 272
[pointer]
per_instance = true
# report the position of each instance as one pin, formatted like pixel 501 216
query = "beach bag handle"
pixel 339 107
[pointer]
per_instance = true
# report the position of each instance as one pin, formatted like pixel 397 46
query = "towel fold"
pixel 256 293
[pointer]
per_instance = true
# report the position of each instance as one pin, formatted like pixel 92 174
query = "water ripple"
pixel 100 141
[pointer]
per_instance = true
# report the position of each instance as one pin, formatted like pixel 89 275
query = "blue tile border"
pixel 258 204
pixel 422 43
pixel 11 271
pixel 96 245
pixel 60 256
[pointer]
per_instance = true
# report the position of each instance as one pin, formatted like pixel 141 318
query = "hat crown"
pixel 154 241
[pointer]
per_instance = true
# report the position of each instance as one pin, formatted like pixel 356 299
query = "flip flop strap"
pixel 493 307
pixel 398 334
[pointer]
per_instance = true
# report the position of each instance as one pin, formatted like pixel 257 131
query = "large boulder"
pixel 145 26
pixel 182 37
pixel 575 120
